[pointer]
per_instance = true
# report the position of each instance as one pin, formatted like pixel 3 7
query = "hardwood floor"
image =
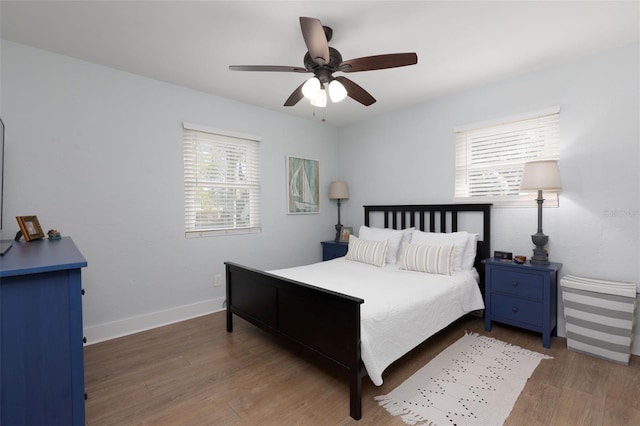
pixel 195 373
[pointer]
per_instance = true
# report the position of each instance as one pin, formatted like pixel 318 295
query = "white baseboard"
pixel 124 327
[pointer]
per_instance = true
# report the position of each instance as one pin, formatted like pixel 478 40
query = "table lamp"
pixel 543 175
pixel 338 191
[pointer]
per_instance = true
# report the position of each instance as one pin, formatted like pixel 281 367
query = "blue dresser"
pixel 41 340
pixel 524 296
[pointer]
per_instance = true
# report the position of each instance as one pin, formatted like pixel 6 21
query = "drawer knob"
pixel 515 283
pixel 514 309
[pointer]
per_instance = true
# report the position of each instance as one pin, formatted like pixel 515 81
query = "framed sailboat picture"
pixel 303 185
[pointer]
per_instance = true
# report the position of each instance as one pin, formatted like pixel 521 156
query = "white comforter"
pixel 401 308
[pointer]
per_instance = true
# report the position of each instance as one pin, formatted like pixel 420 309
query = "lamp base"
pixel 540 255
pixel 338 231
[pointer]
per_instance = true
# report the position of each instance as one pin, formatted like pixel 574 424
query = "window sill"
pixel 551 200
pixel 220 233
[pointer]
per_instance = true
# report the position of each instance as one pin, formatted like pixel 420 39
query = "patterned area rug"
pixel 475 381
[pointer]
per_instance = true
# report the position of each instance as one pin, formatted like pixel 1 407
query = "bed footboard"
pixel 322 322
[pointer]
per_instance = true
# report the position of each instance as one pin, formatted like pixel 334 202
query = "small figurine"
pixel 520 260
pixel 53 234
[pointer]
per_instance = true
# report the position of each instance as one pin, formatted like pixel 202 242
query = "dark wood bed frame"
pixel 325 323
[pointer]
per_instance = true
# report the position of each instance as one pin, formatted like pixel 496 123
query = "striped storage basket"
pixel 599 316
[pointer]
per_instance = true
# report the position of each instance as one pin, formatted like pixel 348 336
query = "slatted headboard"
pixel 437 218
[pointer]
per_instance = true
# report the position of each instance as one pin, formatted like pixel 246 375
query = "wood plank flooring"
pixel 195 373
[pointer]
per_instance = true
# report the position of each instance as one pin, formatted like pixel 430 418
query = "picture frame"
pixel 30 227
pixel 303 185
pixel 345 232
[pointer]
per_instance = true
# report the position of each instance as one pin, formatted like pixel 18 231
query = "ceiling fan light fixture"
pixel 337 92
pixel 320 101
pixel 311 88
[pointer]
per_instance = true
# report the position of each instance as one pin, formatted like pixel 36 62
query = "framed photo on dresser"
pixel 30 227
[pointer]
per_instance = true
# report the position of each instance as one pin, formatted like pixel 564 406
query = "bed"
pixel 340 320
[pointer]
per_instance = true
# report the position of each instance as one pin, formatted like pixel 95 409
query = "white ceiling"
pixel 460 45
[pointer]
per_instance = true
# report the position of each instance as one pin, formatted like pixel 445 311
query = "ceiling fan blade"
pixel 356 92
pixel 379 62
pixel 275 68
pixel 315 39
pixel 295 97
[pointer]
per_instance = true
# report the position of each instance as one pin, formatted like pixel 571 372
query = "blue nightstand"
pixel 524 296
pixel 333 249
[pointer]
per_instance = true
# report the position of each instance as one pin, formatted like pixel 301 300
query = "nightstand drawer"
pixel 516 309
pixel 518 283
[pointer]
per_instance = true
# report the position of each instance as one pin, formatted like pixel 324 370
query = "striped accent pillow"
pixel 371 252
pixel 430 259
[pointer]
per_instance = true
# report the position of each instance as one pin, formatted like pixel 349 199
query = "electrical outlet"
pixel 217 280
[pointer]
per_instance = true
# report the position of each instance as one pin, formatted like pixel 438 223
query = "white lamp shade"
pixel 337 92
pixel 338 190
pixel 541 175
pixel 311 88
pixel 320 100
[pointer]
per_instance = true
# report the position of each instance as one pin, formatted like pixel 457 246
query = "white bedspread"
pixel 401 308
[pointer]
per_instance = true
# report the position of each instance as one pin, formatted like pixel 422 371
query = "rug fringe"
pixel 508 345
pixel 397 408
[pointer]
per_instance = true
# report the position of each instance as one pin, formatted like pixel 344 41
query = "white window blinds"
pixel 490 157
pixel 221 182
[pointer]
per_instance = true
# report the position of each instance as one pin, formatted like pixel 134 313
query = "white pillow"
pixel 394 236
pixel 469 256
pixel 371 252
pixel 406 239
pixel 458 239
pixel 406 235
pixel 430 259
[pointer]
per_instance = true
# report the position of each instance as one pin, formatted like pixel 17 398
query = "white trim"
pixel 220 232
pixel 207 129
pixel 111 330
pixel 551 200
pixel 510 119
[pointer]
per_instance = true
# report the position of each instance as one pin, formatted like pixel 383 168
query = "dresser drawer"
pixel 517 283
pixel 516 309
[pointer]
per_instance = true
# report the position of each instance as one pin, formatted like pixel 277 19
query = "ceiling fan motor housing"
pixel 323 72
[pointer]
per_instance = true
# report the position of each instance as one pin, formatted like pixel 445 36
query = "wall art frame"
pixel 303 185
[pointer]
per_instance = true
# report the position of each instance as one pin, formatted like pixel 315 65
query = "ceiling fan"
pixel 323 61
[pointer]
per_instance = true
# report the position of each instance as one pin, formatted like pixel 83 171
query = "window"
pixel 490 157
pixel 221 182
